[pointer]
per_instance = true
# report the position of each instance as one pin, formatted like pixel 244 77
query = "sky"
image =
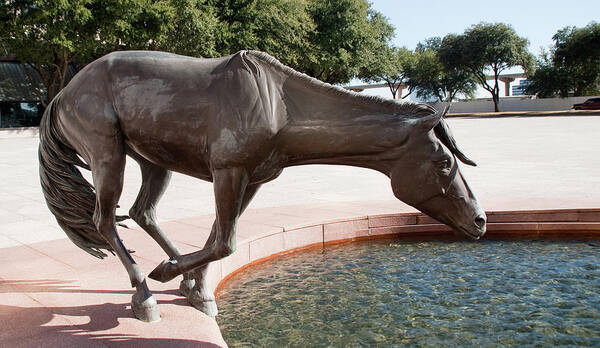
pixel 535 20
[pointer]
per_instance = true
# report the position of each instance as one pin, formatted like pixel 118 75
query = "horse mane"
pixel 408 109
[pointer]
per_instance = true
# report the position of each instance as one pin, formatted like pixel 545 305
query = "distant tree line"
pixel 330 40
pixel 333 41
pixel 571 66
pixel 442 68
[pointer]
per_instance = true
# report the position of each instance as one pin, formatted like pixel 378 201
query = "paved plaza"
pixel 552 161
pixel 53 294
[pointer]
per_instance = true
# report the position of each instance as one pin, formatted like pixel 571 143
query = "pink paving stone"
pixel 392 220
pixel 302 236
pixel 344 210
pixel 266 246
pixel 186 233
pixel 24 262
pixel 239 258
pixel 570 226
pixel 423 219
pixel 97 306
pixel 96 302
pixel 214 274
pixel 272 216
pixel 204 221
pixel 378 207
pixel 283 219
pixel 27 324
pixel 409 229
pixel 298 216
pixel 532 216
pixel 345 230
pixel 251 230
pixel 63 250
pixel 589 216
pixel 511 226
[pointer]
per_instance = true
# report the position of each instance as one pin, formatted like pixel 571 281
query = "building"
pixel 520 88
pixel 19 102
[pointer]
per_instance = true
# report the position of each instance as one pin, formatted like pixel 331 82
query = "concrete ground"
pixel 52 294
pixel 552 161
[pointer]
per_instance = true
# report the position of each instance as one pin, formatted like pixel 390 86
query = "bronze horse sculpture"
pixel 235 121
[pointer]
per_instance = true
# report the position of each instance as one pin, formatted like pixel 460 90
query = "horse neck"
pixel 338 128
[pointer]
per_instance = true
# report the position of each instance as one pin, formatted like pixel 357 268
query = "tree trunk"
pixel 496 93
pixel 496 99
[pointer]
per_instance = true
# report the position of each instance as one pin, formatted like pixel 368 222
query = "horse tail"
pixel 70 197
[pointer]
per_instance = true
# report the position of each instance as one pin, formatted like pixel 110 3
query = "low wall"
pixel 569 223
pixel 23 132
pixel 516 104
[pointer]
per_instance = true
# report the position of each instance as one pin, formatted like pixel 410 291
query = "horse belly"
pixel 172 148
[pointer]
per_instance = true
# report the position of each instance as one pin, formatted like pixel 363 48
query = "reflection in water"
pixel 488 293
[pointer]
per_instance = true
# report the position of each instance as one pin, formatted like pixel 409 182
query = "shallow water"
pixel 395 293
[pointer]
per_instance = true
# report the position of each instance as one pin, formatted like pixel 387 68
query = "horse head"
pixel 428 178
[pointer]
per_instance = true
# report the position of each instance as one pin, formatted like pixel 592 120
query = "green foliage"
pixel 331 40
pixel 49 35
pixel 430 78
pixel 278 27
pixel 347 33
pixel 388 64
pixel 486 48
pixel 193 30
pixel 573 65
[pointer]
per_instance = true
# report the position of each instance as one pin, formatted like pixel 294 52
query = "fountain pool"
pixel 432 293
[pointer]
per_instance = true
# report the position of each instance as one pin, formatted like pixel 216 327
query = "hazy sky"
pixel 535 20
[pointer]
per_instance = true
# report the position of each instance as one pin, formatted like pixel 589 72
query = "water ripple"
pixel 392 294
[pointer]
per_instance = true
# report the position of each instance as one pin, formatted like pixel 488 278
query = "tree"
pixel 430 78
pixel 486 48
pixel 572 67
pixel 47 36
pixel 279 27
pixel 194 30
pixel 346 33
pixel 390 65
pixel 549 80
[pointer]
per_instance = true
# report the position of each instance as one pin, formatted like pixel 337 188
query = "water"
pixel 394 293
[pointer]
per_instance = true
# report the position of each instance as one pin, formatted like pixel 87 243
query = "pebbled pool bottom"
pixel 399 293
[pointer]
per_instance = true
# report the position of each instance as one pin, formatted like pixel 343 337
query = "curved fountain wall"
pixel 501 224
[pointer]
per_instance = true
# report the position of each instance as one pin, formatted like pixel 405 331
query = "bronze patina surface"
pixel 236 121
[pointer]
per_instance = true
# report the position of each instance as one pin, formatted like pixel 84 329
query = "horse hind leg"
pixel 155 180
pixel 107 173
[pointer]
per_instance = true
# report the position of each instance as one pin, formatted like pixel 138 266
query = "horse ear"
pixel 427 123
pixel 442 131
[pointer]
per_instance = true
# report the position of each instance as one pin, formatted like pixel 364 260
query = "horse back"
pixel 185 114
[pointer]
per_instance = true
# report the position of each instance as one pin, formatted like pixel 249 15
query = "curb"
pixel 523 224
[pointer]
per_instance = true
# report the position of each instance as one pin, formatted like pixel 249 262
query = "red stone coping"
pixel 53 294
pixel 558 223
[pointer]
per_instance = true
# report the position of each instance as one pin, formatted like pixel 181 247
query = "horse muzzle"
pixel 475 230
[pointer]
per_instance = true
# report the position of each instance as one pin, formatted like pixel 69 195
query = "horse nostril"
pixel 480 221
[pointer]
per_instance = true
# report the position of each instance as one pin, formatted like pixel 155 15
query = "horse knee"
pixel 143 217
pixel 223 249
pixel 104 225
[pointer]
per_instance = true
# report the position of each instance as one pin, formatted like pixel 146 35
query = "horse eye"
pixel 443 164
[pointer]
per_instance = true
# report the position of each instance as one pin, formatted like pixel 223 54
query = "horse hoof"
pixel 206 305
pixel 146 310
pixel 186 286
pixel 166 271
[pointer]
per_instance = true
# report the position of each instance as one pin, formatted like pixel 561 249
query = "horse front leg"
pixel 229 187
pixel 200 296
